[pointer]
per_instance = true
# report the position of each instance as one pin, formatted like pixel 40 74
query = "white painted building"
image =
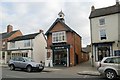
pixel 105 32
pixel 32 45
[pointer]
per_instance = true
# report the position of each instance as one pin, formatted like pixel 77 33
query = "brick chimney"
pixel 40 31
pixel 9 28
pixel 92 8
pixel 117 2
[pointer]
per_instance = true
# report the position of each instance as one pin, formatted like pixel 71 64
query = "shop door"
pixel 60 57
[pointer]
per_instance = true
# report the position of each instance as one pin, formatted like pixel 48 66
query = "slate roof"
pixel 25 37
pixel 59 20
pixel 7 35
pixel 105 11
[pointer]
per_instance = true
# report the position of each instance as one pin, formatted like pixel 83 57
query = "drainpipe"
pixel 74 51
pixel 92 57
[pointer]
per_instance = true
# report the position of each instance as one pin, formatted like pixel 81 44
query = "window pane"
pixel 58 37
pixel 26 43
pixel 102 21
pixel 102 34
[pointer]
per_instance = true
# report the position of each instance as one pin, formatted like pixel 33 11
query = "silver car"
pixel 25 63
pixel 110 67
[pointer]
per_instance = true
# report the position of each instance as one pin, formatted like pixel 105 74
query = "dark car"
pixel 25 63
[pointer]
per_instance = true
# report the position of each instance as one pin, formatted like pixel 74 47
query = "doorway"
pixel 60 57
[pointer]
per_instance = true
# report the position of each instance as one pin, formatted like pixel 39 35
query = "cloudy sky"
pixel 31 15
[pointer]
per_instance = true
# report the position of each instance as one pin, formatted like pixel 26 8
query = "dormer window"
pixel 58 37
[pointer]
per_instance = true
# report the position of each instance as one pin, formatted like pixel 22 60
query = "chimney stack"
pixel 40 31
pixel 92 8
pixel 117 2
pixel 9 28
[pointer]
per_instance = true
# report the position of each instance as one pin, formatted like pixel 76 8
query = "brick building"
pixel 63 44
pixel 5 37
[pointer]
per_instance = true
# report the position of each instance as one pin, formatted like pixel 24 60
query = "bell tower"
pixel 61 15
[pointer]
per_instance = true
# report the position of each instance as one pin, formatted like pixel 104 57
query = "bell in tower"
pixel 61 15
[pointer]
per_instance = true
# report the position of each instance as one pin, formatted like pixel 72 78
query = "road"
pixel 59 73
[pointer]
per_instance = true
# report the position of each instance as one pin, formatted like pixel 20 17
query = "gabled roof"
pixel 25 37
pixel 7 35
pixel 59 20
pixel 105 11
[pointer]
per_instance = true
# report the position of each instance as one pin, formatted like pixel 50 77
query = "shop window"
pixel 59 37
pixel 102 51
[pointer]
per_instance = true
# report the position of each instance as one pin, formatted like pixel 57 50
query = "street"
pixel 58 73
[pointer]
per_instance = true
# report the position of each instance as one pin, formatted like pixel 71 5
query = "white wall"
pixel 39 48
pixel 119 29
pixel 111 27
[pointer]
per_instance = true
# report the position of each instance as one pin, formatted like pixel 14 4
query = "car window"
pixel 15 59
pixel 117 60
pixel 107 60
pixel 112 60
pixel 28 59
pixel 21 59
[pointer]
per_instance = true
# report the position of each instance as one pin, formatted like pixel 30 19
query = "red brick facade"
pixel 73 40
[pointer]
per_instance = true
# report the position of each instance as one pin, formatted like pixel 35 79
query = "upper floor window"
pixel 12 44
pixel 27 43
pixel 3 43
pixel 102 21
pixel 59 37
pixel 103 34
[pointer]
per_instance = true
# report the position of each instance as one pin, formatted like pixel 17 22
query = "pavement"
pixel 84 68
pixel 87 69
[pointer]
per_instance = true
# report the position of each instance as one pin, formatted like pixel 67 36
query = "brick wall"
pixel 72 38
pixel 18 33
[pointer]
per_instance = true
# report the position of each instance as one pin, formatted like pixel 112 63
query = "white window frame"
pixel 102 33
pixel 57 37
pixel 27 43
pixel 12 44
pixel 99 21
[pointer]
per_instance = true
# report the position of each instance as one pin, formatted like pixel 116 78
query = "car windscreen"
pixel 28 59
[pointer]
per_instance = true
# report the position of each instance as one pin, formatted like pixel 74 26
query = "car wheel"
pixel 12 67
pixel 110 74
pixel 29 68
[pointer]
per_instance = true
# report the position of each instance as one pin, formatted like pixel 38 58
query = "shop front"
pixel 61 55
pixel 102 50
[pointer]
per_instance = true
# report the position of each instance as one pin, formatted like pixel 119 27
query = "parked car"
pixel 110 67
pixel 25 63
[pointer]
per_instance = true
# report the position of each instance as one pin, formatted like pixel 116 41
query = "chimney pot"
pixel 9 28
pixel 40 31
pixel 92 8
pixel 117 2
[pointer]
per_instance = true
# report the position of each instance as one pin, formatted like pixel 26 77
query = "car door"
pixel 118 63
pixel 16 61
pixel 22 62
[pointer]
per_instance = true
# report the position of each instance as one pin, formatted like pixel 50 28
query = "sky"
pixel 30 16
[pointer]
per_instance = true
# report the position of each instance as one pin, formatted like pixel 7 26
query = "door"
pixel 60 57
